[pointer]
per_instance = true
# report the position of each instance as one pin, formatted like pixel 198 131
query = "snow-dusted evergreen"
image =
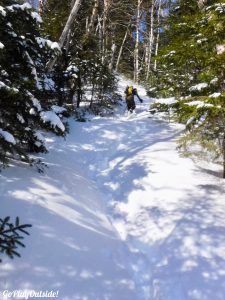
pixel 192 69
pixel 23 108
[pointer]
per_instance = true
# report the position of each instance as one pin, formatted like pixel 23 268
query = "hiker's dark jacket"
pixel 130 99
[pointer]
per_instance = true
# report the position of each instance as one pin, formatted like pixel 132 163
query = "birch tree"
pixel 65 32
pixel 137 41
pixel 90 25
pixel 104 28
pixel 150 41
pixel 158 33
pixel 121 48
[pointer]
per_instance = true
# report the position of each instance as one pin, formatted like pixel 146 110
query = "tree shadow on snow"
pixel 190 262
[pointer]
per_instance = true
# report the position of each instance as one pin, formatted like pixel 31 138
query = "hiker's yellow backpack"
pixel 129 90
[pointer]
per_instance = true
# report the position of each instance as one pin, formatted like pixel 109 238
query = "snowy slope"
pixel 118 215
pixel 73 249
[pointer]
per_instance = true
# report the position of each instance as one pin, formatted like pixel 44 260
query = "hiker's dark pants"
pixel 130 103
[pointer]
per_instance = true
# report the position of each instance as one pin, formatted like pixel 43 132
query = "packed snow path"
pixel 119 215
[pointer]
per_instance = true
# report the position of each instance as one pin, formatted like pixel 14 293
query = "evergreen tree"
pixel 24 111
pixel 192 68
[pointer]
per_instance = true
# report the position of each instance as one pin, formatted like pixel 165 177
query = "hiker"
pixel 130 93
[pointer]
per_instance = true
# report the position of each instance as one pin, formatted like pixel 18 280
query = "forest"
pixel 118 205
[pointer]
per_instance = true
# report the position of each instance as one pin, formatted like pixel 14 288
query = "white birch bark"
pixel 40 7
pixel 121 48
pixel 150 41
pixel 65 32
pixel 158 32
pixel 113 51
pixel 104 35
pixel 90 26
pixel 99 31
pixel 201 3
pixel 137 40
pixel 69 22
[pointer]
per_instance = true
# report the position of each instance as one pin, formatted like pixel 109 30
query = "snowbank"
pixel 73 249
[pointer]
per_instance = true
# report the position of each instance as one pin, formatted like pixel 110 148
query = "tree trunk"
pixel 67 45
pixel 136 49
pixel 65 32
pixel 104 35
pixel 201 3
pixel 150 41
pixel 79 90
pixel 40 7
pixel 158 32
pixel 121 48
pixel 113 51
pixel 99 32
pixel 90 26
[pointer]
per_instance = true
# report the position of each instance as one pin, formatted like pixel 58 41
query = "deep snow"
pixel 118 215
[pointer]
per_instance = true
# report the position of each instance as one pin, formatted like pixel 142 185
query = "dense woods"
pixel 191 68
pixel 57 57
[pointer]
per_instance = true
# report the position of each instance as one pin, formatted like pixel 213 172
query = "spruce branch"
pixel 11 235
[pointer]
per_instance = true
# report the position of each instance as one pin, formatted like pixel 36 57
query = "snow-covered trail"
pixel 169 211
pixel 118 215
